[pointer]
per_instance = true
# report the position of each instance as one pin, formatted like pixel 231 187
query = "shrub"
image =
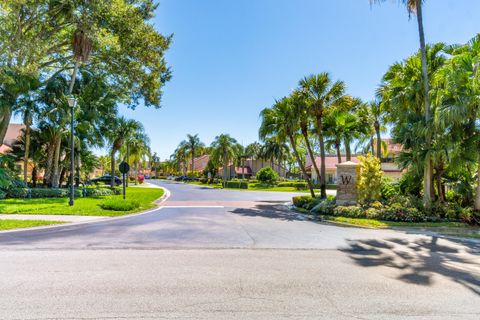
pixel 18 193
pixel 141 178
pixel 323 207
pixel 369 180
pixel 267 175
pixel 236 184
pixel 98 192
pixel 301 201
pixel 3 194
pixel 295 184
pixel 389 188
pixel 349 212
pixel 119 204
pixel 48 193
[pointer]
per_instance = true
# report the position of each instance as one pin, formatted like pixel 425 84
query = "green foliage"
pixel 323 206
pixel 267 175
pixel 236 184
pixel 18 193
pixel 299 185
pixel 389 188
pixel 119 205
pixel 369 179
pixel 3 194
pixel 301 201
pixel 48 193
pixel 99 192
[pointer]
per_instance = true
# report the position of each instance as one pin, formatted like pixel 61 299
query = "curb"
pixel 158 202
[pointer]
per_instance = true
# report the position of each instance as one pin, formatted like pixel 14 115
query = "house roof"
pixel 330 162
pixel 14 132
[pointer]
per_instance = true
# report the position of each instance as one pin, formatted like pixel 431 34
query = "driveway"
pixel 226 254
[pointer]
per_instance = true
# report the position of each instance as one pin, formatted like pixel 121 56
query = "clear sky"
pixel 230 59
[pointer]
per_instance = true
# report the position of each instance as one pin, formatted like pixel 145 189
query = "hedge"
pixel 299 185
pixel 22 193
pixel 236 184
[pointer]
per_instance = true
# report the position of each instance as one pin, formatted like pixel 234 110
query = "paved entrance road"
pixel 222 254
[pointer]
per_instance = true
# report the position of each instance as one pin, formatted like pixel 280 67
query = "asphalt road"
pixel 223 254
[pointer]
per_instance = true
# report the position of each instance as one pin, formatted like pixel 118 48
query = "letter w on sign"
pixel 346 179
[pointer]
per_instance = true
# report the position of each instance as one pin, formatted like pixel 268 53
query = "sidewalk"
pixel 51 217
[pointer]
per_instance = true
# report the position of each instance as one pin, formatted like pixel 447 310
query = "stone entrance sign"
pixel 347 183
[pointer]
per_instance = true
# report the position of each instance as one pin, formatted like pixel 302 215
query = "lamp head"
pixel 72 102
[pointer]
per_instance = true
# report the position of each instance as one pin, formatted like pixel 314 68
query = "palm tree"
pixel 415 7
pixel 104 162
pixel 304 119
pixel 254 150
pixel 194 145
pixel 120 130
pixel 180 157
pixel 458 106
pixel 322 94
pixel 138 150
pixel 225 148
pixel 280 122
pixel 27 108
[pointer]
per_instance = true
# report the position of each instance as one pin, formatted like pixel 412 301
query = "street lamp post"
pixel 72 102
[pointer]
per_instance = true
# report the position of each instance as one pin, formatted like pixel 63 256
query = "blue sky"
pixel 230 59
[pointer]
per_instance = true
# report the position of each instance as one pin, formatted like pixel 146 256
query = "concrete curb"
pixel 158 202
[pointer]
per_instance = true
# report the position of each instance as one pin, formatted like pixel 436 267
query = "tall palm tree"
pixel 303 115
pixel 26 107
pixel 121 129
pixel 416 7
pixel 280 122
pixel 225 148
pixel 194 145
pixel 457 101
pixel 322 94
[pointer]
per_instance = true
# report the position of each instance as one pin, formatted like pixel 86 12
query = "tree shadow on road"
pixel 270 209
pixel 418 261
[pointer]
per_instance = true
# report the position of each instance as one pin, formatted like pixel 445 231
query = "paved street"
pixel 223 254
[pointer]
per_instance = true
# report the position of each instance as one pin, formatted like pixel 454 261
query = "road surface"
pixel 223 254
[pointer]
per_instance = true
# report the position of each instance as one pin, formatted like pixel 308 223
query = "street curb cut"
pixel 158 202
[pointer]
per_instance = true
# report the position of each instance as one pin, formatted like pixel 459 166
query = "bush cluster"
pixel 267 175
pixel 236 184
pixel 299 185
pixel 119 205
pixel 22 193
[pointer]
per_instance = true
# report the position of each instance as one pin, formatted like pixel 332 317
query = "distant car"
pixel 147 176
pixel 105 179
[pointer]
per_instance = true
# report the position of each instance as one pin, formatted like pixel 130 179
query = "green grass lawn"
pixel 83 206
pixel 371 223
pixel 15 224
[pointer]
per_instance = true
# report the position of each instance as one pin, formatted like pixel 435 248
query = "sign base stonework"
pixel 347 183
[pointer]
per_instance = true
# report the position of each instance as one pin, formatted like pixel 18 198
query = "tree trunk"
pixel 34 177
pixel 428 170
pixel 302 167
pixel 477 195
pixel 379 140
pixel 225 164
pixel 348 151
pixel 339 154
pixel 243 169
pixel 56 162
pixel 323 186
pixel 47 178
pixel 5 116
pixel 112 168
pixel 310 151
pixel 372 144
pixel 193 162
pixel 27 149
